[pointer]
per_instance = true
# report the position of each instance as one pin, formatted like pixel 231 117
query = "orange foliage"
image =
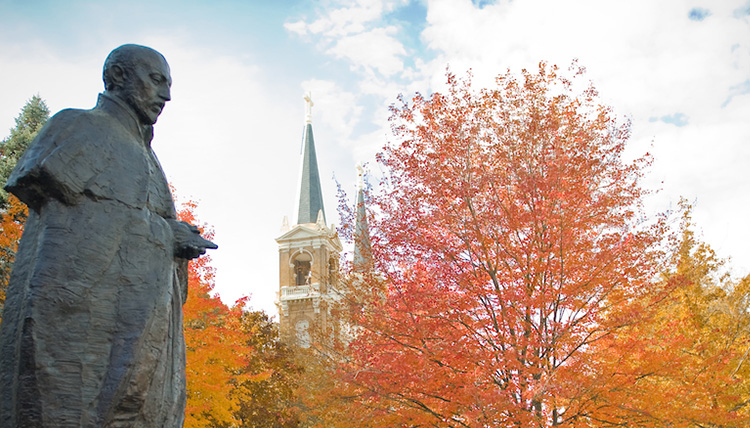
pixel 215 342
pixel 238 373
pixel 510 243
pixel 12 220
pixel 685 365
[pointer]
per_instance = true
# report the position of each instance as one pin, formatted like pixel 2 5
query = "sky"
pixel 230 139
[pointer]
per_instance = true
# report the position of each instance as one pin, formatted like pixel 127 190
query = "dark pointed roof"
pixel 310 194
pixel 362 259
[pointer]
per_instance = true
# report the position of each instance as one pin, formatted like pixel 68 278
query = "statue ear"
pixel 119 75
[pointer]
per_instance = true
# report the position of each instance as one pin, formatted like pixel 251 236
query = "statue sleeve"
pixel 57 164
pixel 181 276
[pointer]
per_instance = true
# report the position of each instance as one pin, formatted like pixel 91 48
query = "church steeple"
pixel 309 254
pixel 362 260
pixel 311 195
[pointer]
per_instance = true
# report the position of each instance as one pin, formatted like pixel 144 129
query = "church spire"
pixel 311 195
pixel 362 259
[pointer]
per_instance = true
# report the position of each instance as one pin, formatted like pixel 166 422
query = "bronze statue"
pixel 92 335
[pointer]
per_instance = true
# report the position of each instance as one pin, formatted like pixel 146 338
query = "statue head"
pixel 139 76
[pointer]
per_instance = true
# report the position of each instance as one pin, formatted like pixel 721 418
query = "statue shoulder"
pixel 71 125
pixel 51 162
pixel 72 117
pixel 69 114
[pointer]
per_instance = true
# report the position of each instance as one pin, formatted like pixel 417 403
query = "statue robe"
pixel 92 334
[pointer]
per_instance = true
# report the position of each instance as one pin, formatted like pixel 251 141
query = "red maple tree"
pixel 509 242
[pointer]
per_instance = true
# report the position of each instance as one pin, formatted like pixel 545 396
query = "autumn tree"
pixel 269 397
pixel 239 374
pixel 686 365
pixel 323 398
pixel 13 213
pixel 215 344
pixel 509 242
pixel 327 396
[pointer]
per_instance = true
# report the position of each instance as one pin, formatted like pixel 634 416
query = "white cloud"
pixel 356 32
pixel 297 27
pixel 376 49
pixel 346 19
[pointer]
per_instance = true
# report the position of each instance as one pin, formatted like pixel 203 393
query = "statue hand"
pixel 189 244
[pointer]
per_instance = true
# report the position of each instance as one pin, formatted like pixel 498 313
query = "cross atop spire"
pixel 308 107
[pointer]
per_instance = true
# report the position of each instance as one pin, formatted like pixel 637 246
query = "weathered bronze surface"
pixel 91 335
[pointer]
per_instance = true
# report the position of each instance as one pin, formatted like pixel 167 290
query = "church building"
pixel 309 252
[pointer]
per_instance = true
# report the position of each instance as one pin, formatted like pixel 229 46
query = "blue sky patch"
pixel 413 12
pixel 411 20
pixel 698 14
pixel 482 3
pixel 742 11
pixel 677 119
pixel 740 89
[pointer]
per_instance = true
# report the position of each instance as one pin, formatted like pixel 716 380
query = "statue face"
pixel 147 87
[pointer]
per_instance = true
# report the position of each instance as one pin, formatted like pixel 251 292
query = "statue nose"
pixel 164 93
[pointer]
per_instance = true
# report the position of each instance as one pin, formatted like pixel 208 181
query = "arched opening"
pixel 302 269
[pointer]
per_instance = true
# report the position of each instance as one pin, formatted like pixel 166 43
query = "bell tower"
pixel 308 256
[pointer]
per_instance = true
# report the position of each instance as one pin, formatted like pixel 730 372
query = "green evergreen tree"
pixel 12 212
pixel 33 116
